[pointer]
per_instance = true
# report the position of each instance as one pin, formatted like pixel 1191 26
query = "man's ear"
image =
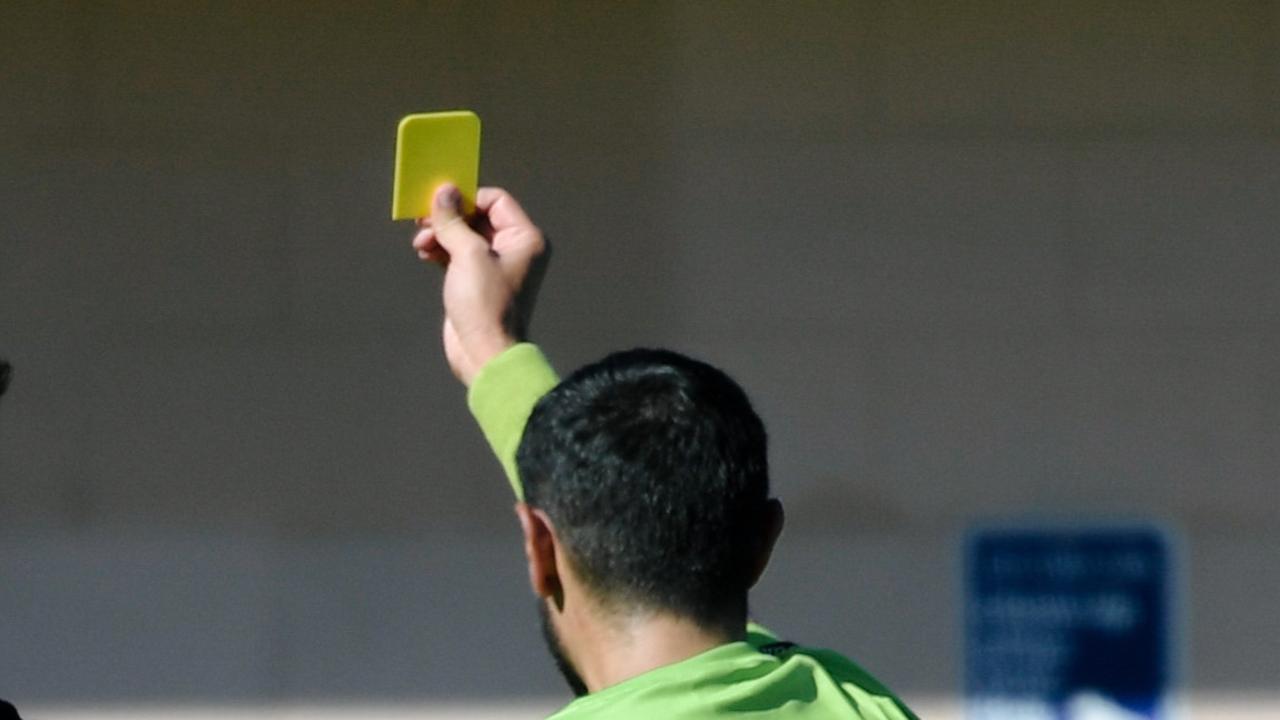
pixel 774 519
pixel 540 551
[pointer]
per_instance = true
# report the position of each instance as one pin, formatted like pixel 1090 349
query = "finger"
pixel 451 230
pixel 501 207
pixel 487 196
pixel 437 256
pixel 478 222
pixel 425 239
pixel 428 248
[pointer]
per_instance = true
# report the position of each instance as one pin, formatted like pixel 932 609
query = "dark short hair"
pixel 6 371
pixel 653 468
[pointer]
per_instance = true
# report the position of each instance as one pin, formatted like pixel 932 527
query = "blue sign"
pixel 1068 624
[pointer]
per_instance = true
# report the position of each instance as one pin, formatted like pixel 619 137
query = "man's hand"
pixel 492 270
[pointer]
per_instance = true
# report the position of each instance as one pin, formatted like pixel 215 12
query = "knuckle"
pixel 451 227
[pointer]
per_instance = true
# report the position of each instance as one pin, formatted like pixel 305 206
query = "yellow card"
pixel 432 149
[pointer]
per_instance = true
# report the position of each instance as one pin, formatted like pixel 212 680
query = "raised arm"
pixel 493 265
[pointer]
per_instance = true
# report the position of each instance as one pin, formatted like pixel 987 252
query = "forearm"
pixel 501 397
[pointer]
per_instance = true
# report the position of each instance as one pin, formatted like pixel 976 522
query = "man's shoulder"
pixel 763 677
pixel 841 669
pixel 869 697
pixel 859 692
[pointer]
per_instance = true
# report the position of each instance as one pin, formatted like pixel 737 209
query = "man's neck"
pixel 622 648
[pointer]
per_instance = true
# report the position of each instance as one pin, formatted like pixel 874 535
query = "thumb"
pixel 451 229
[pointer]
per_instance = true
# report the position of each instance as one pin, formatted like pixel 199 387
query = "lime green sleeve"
pixel 502 396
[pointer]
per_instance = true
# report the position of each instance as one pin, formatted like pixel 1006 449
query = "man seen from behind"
pixel 643 500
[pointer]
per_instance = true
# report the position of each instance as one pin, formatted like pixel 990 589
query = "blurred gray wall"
pixel 973 261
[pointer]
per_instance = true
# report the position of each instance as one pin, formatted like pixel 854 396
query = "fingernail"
pixel 449 197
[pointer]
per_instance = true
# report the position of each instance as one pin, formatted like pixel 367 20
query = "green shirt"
pixel 757 678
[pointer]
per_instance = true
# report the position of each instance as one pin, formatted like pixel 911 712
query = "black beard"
pixel 558 654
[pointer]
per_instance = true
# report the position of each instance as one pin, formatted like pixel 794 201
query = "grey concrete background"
pixel 972 260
